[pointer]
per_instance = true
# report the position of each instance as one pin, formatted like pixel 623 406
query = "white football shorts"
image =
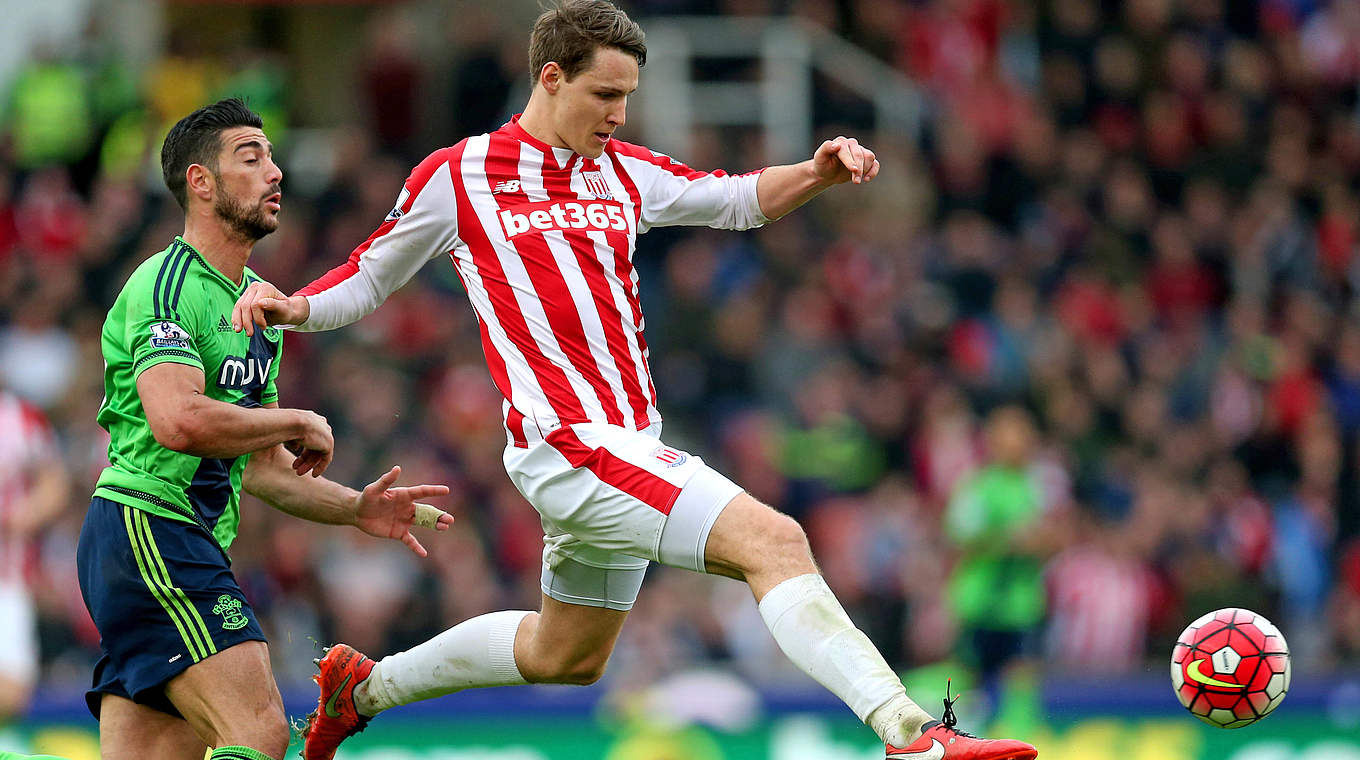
pixel 611 500
pixel 18 634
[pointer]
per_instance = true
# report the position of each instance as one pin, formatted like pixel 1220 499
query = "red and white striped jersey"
pixel 26 442
pixel 543 240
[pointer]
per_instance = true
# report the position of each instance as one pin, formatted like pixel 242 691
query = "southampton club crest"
pixel 230 610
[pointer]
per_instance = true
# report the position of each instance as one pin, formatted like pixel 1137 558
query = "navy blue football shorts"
pixel 163 597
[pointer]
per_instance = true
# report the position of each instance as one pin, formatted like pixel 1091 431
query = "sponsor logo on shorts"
pixel 230 610
pixel 669 456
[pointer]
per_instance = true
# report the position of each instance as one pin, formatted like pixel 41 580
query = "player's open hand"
pixel 263 305
pixel 844 160
pixel 386 511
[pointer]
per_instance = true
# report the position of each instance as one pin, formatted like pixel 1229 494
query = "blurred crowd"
pixel 1083 364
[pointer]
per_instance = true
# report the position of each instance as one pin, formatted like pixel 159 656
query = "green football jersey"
pixel 177 308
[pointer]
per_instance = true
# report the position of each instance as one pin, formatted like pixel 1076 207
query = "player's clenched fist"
pixel 844 160
pixel 263 305
pixel 314 446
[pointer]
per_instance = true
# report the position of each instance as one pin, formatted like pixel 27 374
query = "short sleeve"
pixel 157 331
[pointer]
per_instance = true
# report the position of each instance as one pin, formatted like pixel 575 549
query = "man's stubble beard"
pixel 250 223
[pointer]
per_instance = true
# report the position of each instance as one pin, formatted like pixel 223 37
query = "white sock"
pixel 812 628
pixel 477 652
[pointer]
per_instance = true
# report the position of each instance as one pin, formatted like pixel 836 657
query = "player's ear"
pixel 199 181
pixel 551 77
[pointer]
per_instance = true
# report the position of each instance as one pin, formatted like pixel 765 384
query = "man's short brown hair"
pixel 570 31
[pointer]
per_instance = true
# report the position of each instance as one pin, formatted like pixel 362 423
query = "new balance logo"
pixel 222 325
pixel 508 186
pixel 601 216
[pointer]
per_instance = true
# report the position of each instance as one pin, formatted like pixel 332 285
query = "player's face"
pixel 594 103
pixel 248 196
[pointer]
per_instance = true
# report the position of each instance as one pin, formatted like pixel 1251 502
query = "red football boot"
pixel 335 718
pixel 941 741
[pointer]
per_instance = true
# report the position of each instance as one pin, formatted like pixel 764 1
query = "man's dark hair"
pixel 197 138
pixel 571 30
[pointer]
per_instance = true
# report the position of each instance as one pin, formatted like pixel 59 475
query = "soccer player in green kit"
pixel 193 416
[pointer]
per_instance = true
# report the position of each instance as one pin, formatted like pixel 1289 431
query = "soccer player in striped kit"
pixel 540 219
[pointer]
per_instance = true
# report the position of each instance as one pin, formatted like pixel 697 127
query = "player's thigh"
pixel 749 539
pixel 129 731
pixel 607 493
pixel 176 630
pixel 230 696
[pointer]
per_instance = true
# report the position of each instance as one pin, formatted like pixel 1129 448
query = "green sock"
pixel 238 753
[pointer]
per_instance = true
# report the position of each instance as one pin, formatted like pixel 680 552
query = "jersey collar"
pixel 563 156
pixel 223 279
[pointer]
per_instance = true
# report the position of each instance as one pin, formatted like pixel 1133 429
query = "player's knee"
pixel 586 672
pixel 268 732
pixel 785 538
pixel 577 671
pixel 274 735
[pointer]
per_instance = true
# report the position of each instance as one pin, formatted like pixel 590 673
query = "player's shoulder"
pixel 153 266
pixel 633 150
pixel 447 156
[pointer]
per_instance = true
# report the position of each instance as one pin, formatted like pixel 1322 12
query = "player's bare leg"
pixel 769 551
pixel 231 701
pixel 566 643
pixel 129 731
pixel 563 643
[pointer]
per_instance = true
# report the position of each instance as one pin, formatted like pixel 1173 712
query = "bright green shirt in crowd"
pixel 992 586
pixel 177 308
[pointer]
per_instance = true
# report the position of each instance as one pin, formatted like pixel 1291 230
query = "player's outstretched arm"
pixel 184 419
pixel 263 305
pixel 382 509
pixel 782 189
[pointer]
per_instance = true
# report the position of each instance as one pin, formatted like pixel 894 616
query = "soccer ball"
pixel 1230 668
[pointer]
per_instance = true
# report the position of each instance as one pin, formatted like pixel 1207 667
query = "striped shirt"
pixel 543 240
pixel 26 442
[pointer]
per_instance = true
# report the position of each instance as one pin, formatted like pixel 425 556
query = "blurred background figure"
pixel 34 487
pixel 996 519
